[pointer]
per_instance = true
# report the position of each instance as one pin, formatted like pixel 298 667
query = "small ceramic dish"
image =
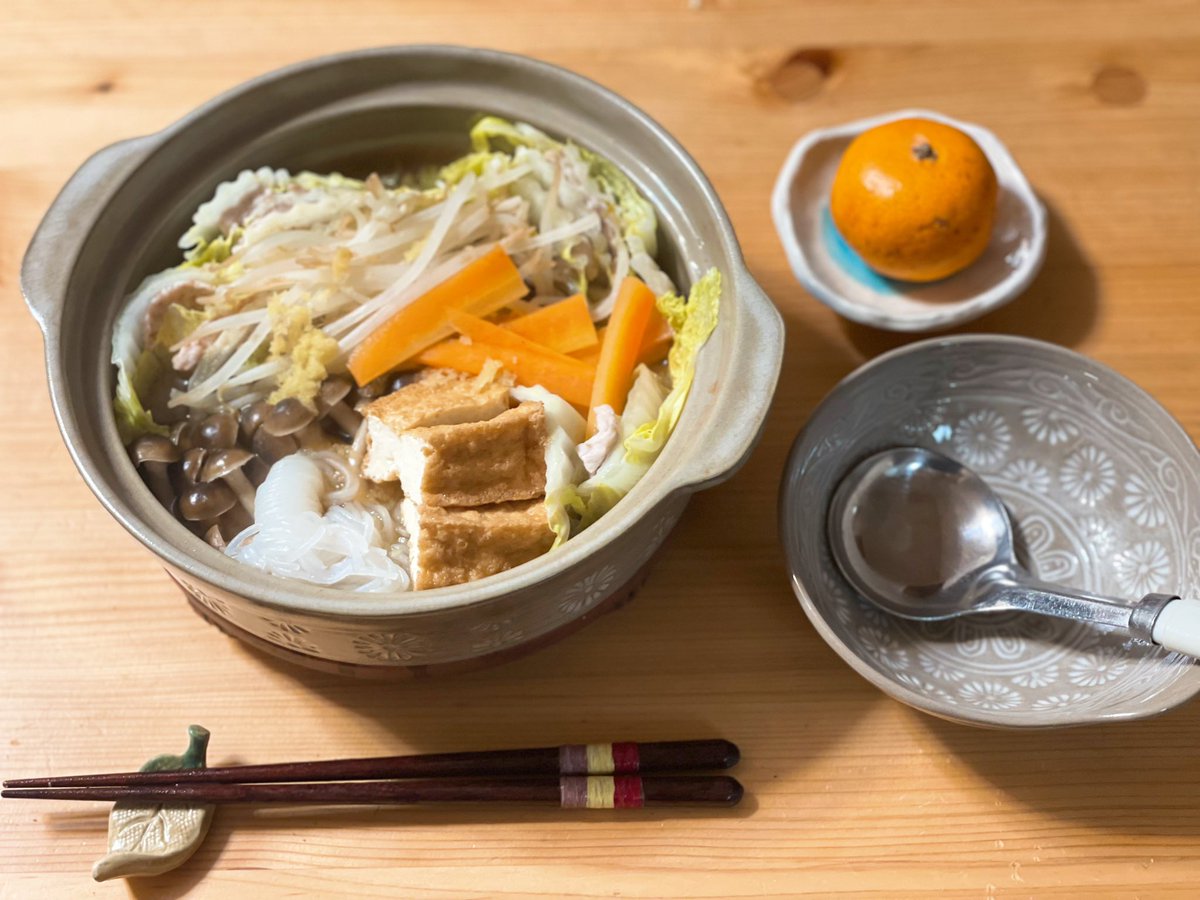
pixel 833 273
pixel 1104 488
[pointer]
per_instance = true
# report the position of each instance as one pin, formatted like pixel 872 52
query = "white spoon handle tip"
pixel 1178 627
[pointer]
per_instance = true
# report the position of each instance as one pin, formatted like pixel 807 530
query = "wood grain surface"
pixel 850 794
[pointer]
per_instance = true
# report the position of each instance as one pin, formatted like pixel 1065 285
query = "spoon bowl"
pixel 911 529
pixel 922 536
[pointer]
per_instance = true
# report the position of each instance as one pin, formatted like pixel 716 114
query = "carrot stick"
pixel 620 349
pixel 477 329
pixel 565 326
pixel 521 308
pixel 656 342
pixel 571 380
pixel 591 355
pixel 481 287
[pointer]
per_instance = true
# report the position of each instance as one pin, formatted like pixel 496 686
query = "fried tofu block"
pixel 454 545
pixel 440 397
pixel 475 463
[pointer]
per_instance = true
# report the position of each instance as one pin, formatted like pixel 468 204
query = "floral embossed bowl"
pixel 118 217
pixel 1104 488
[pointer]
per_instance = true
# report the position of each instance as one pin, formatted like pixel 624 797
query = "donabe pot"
pixel 119 216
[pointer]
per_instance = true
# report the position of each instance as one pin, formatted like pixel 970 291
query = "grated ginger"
pixel 307 349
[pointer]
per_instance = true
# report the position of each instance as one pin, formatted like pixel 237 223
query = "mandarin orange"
pixel 916 199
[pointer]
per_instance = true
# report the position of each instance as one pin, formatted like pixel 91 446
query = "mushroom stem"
pixel 346 418
pixel 242 488
pixel 234 522
pixel 272 448
pixel 312 437
pixel 159 481
pixel 214 537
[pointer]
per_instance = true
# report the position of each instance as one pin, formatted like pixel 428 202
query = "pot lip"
pixel 210 568
pixel 816 615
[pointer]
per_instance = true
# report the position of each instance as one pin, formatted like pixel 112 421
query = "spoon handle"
pixel 1177 627
pixel 1165 619
pixel 1067 603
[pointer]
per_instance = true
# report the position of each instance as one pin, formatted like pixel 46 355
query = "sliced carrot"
pixel 514 310
pixel 656 340
pixel 621 347
pixel 591 355
pixel 478 329
pixel 565 326
pixel 481 287
pixel 521 308
pixel 656 343
pixel 571 380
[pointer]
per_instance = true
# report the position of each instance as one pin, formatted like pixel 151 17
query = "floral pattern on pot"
pixel 498 626
pixel 391 646
pixel 586 593
pixel 1104 489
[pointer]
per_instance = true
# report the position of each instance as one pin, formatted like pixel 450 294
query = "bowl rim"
pixel 946 314
pixel 284 595
pixel 894 689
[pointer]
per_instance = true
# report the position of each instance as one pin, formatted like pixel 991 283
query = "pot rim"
pixel 212 568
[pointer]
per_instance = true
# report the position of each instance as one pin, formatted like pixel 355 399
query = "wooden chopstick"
pixel 624 758
pixel 569 792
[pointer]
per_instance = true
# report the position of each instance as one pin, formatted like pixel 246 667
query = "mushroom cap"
pixel 287 417
pixel 333 391
pixel 183 434
pixel 193 464
pixel 206 501
pixel 217 430
pixel 153 448
pixel 252 417
pixel 220 463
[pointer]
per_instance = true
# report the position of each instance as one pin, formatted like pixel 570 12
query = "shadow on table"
pixel 181 882
pixel 1060 306
pixel 1132 777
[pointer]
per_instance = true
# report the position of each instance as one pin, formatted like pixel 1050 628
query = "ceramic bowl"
pixel 833 273
pixel 1104 488
pixel 118 217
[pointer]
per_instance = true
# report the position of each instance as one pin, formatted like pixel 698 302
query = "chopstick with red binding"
pixel 622 758
pixel 568 792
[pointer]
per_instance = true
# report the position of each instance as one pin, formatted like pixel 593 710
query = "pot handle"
pixel 742 410
pixel 50 258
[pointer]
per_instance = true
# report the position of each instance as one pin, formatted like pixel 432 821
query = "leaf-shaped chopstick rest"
pixel 150 840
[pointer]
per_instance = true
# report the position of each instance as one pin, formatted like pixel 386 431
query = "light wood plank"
pixel 851 795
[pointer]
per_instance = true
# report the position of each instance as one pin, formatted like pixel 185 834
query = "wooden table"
pixel 850 793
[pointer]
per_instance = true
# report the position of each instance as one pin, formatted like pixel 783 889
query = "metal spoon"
pixel 924 537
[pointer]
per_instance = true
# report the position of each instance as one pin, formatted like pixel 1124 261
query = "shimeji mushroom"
pixel 183 434
pixel 291 418
pixel 214 537
pixel 232 523
pixel 206 503
pixel 190 466
pixel 252 417
pixel 331 402
pixel 152 454
pixel 271 448
pixel 217 431
pixel 225 465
